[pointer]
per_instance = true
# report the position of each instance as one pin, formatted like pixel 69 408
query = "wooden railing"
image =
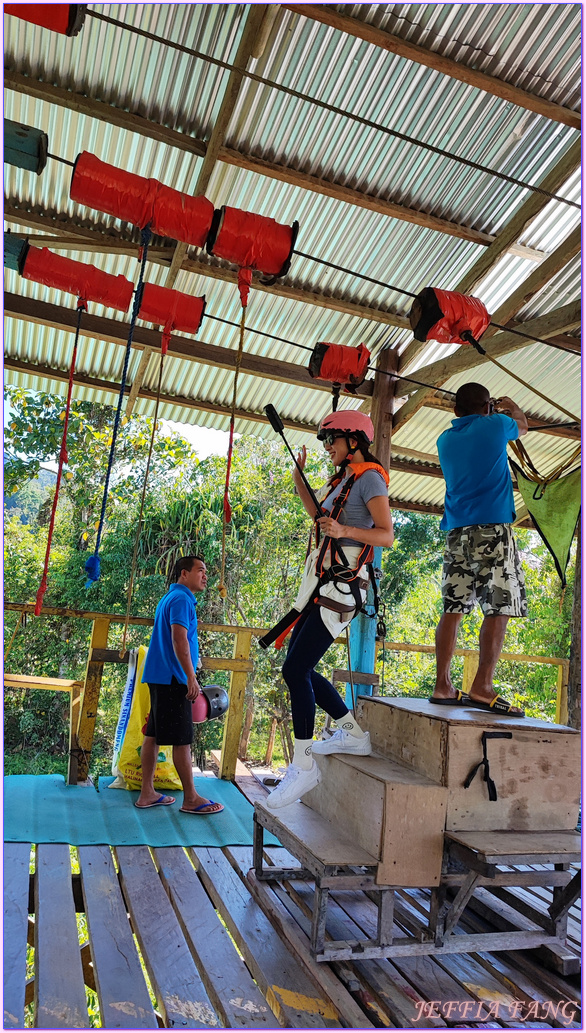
pixel 84 705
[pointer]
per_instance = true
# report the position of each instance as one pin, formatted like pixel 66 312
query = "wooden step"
pixel 311 836
pixel 393 812
pixel 536 769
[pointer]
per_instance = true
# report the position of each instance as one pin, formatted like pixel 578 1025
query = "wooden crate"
pixel 393 812
pixel 536 772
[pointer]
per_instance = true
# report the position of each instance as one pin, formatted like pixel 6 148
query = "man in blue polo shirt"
pixel 169 671
pixel 481 563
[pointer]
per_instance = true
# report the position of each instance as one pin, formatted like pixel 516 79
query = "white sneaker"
pixel 295 783
pixel 343 742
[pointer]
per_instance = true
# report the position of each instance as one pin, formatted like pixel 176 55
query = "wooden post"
pixel 561 701
pixel 271 743
pixel 575 672
pixel 233 723
pixel 362 628
pixel 73 760
pixel 470 669
pixel 91 694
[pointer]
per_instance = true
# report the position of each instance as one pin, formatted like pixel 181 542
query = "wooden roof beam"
pixel 135 123
pixel 248 43
pixel 213 268
pixel 565 318
pixel 328 15
pixel 116 332
pixel 509 236
pixel 547 426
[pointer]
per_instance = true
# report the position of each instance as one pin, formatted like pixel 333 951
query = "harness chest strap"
pixel 340 573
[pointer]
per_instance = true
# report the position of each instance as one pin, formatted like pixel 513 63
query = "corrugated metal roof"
pixel 532 46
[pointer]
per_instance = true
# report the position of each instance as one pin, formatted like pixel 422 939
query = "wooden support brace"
pixel 318 921
pixel 563 899
pixel 460 900
pixel 90 698
pixel 73 761
pixel 385 916
pixel 233 724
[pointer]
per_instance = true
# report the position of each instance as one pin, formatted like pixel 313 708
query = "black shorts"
pixel 170 721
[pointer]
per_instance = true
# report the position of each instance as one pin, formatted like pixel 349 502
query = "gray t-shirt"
pixel 356 513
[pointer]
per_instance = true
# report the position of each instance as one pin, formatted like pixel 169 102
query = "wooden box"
pixel 393 812
pixel 536 771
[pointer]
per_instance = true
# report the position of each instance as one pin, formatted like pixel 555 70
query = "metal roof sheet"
pixel 533 46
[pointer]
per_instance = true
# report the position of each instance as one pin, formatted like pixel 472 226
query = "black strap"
pixel 490 784
pixel 272 635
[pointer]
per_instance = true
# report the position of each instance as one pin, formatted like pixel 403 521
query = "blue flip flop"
pixel 201 810
pixel 163 801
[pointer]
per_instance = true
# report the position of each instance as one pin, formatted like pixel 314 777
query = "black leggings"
pixel 309 641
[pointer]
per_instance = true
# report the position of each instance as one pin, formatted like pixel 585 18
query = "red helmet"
pixel 348 421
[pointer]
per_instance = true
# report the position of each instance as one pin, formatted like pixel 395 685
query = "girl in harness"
pixel 356 518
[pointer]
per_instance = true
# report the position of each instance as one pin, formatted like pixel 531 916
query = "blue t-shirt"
pixel 473 458
pixel 176 607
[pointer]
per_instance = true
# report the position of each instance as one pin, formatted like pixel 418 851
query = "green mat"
pixel 43 809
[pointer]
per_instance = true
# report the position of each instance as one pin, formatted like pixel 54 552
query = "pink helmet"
pixel 348 421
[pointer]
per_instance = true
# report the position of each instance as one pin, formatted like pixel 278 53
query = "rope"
pixel 531 388
pixel 92 565
pixel 531 472
pixel 139 526
pixel 227 511
pixel 328 107
pixel 63 458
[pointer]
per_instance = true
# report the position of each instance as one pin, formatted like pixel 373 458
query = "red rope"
pixel 63 458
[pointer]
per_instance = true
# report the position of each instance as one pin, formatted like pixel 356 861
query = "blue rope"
pixel 92 565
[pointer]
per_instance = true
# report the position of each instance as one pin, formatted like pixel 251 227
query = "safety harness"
pixel 339 570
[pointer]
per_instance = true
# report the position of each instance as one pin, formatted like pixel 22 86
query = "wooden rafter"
pixel 108 113
pixel 106 386
pixel 116 332
pixel 213 268
pixel 509 236
pixel 148 341
pixel 328 15
pixel 246 46
pixel 565 318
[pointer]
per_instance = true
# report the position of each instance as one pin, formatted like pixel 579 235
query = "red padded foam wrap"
pixel 460 312
pixel 50 16
pixel 172 310
pixel 141 201
pixel 341 364
pixel 253 241
pixel 87 282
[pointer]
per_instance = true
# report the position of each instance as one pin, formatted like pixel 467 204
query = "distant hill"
pixel 26 502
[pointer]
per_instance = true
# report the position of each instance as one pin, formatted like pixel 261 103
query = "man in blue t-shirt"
pixel 481 562
pixel 169 671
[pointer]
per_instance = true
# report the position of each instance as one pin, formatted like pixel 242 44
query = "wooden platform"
pixel 194 977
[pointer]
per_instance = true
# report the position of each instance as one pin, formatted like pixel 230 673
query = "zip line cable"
pixel 325 106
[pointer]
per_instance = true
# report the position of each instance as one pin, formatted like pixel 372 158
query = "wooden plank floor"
pixel 189 938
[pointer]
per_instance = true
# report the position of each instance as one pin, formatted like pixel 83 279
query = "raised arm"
pixel 510 408
pixel 299 485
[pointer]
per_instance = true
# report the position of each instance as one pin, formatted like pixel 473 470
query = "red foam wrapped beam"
pixel 87 282
pixel 252 241
pixel 443 316
pixel 67 19
pixel 338 363
pixel 172 310
pixel 140 201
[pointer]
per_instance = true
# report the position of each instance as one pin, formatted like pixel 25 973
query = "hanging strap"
pixel 490 784
pixel 92 566
pixel 63 459
pixel 164 347
pixel 532 474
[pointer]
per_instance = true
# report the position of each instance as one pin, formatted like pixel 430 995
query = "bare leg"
pixel 148 761
pixel 191 798
pixel 446 635
pixel 492 636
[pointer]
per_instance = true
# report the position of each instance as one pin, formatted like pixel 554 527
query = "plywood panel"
pixel 413 835
pixel 414 739
pixel 352 799
pixel 537 775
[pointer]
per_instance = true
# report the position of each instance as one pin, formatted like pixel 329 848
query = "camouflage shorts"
pixel 481 564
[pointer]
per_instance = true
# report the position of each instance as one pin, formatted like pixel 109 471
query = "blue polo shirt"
pixel 176 607
pixel 473 458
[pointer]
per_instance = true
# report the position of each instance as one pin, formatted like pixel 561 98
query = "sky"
pixel 206 442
